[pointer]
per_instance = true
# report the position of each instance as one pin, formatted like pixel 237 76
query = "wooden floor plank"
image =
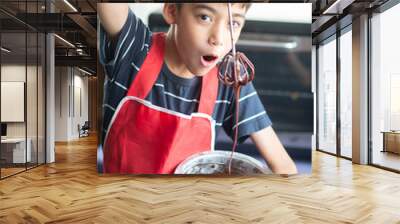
pixel 71 191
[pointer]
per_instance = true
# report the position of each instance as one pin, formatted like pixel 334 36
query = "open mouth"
pixel 208 60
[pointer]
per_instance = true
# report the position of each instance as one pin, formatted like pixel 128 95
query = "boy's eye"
pixel 205 18
pixel 236 24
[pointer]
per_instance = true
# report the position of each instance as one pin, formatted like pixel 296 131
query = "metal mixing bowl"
pixel 217 162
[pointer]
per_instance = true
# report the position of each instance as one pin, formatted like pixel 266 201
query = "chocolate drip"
pixel 236 70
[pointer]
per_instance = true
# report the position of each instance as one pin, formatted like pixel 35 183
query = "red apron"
pixel 143 138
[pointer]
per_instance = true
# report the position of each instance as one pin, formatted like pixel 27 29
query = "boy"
pixel 162 96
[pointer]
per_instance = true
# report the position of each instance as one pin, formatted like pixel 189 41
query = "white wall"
pixel 17 73
pixel 61 103
pixel 277 12
pixel 79 117
pixel 70 83
pixel 33 126
pixel 143 10
pixel 14 73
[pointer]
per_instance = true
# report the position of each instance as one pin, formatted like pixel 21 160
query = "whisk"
pixel 235 70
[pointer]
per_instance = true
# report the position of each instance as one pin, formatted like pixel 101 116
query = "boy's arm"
pixel 273 151
pixel 112 17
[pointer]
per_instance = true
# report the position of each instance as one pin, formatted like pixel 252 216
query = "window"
pixel 23 76
pixel 327 96
pixel 385 89
pixel 346 93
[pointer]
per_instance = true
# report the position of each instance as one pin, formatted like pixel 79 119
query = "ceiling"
pixel 326 14
pixel 74 21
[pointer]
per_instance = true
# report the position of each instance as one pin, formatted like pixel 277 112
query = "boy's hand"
pixel 112 17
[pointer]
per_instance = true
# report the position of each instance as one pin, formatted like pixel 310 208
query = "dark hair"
pixel 247 5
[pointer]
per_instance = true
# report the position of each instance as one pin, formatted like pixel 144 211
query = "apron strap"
pixel 149 71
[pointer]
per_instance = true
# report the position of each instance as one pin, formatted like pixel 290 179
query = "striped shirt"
pixel 122 59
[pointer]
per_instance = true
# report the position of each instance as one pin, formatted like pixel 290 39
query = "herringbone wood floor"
pixel 71 191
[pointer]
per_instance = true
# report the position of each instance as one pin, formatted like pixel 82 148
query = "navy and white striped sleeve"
pixel 252 115
pixel 131 41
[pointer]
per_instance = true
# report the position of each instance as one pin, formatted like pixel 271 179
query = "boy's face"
pixel 202 32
